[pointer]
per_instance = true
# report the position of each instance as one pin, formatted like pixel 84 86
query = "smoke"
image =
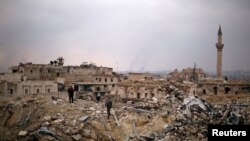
pixel 140 61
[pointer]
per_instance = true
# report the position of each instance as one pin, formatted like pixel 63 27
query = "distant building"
pixel 52 72
pixel 219 87
pixel 139 76
pixel 188 74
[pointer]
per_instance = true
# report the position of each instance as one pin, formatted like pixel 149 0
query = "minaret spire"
pixel 219 31
pixel 219 47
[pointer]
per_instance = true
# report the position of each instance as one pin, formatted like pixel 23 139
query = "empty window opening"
pixel 215 90
pixel 76 88
pixel 98 88
pixel 227 89
pixel 138 95
pixel 14 70
pixel 26 91
pixel 204 91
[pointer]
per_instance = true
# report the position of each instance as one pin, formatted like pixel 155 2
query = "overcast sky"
pixel 133 35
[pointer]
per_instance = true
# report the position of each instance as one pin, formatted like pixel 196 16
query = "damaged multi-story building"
pixel 32 78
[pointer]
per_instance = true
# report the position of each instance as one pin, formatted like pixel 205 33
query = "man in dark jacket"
pixel 71 94
pixel 108 104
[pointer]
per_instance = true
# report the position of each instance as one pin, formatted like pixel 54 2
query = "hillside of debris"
pixel 177 116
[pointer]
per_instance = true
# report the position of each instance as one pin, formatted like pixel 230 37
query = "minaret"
pixel 219 47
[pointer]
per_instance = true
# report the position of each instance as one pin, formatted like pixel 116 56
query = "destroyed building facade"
pixel 141 86
pixel 32 78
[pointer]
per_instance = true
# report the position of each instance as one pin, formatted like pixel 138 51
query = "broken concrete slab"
pixel 47 118
pixel 57 121
pixel 165 114
pixel 22 133
pixel 76 137
pixel 45 131
pixel 192 100
pixel 146 138
pixel 83 118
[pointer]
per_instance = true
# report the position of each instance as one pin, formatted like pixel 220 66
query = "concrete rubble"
pixel 177 116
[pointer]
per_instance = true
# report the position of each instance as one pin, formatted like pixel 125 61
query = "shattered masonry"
pixel 176 116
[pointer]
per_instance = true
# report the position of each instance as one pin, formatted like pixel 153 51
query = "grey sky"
pixel 134 35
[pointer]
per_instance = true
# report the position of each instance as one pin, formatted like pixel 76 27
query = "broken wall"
pixel 36 87
pixel 140 92
pixel 11 77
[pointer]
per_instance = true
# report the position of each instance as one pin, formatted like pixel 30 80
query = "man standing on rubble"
pixel 108 104
pixel 71 94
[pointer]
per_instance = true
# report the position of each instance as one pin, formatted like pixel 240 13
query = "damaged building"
pixel 223 87
pixel 140 90
pixel 29 78
pixel 102 83
pixel 141 86
pixel 187 74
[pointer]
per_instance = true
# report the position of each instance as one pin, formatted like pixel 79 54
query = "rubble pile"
pixel 39 117
pixel 190 116
pixel 177 116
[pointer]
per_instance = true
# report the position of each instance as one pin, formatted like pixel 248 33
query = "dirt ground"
pixel 128 121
